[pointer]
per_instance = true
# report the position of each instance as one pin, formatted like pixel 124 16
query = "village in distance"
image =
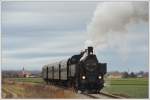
pixel 36 73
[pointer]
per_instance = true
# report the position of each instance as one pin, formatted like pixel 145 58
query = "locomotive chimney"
pixel 90 50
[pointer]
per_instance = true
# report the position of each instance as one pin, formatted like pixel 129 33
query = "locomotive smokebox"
pixel 90 50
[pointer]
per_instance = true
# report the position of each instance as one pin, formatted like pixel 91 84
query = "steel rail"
pixel 91 96
pixel 110 95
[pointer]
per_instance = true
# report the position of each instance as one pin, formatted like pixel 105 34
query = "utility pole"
pixel 128 70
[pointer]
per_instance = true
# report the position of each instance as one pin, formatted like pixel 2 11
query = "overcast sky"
pixel 38 33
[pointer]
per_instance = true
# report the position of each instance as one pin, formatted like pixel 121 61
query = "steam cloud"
pixel 113 18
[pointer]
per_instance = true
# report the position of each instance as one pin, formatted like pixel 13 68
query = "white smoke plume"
pixel 88 43
pixel 113 18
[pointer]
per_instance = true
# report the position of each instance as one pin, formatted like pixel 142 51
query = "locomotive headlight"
pixel 83 77
pixel 99 77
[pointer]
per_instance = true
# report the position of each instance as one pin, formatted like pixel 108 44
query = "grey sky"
pixel 37 33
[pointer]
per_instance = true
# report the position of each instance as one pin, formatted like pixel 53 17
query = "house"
pixel 115 75
pixel 24 73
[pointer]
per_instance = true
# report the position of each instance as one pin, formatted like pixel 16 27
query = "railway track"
pixel 110 95
pixel 90 96
pixel 102 96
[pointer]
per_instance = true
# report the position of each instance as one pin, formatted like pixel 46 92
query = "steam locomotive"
pixel 83 72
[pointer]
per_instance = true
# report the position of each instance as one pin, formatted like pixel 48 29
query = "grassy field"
pixel 130 87
pixel 31 80
pixel 29 88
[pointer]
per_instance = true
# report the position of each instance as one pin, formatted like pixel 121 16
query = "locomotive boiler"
pixel 83 72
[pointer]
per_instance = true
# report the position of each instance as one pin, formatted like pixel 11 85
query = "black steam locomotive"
pixel 82 72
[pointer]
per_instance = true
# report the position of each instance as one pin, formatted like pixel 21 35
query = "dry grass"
pixel 28 90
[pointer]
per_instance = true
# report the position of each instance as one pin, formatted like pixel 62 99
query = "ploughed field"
pixel 36 88
pixel 128 87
